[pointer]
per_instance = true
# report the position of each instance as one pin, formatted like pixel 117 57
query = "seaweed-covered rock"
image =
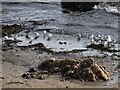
pixel 98 46
pixel 87 63
pixel 102 47
pixel 50 65
pixel 84 70
pixel 10 29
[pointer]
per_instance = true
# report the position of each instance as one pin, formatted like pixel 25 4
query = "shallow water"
pixel 67 26
pixel 86 23
pixel 71 42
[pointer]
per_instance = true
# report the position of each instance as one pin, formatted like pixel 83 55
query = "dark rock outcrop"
pixel 78 6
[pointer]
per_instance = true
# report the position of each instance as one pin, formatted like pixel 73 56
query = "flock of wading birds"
pixel 96 39
pixel 106 41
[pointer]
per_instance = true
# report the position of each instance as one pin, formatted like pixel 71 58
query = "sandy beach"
pixel 12 72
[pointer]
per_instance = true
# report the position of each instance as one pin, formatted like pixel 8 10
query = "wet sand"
pixel 13 80
pixel 15 63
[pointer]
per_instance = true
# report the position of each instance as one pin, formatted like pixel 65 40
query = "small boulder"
pixel 100 72
pixel 43 76
pixel 32 70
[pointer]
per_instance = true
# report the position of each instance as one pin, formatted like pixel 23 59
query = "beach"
pixel 24 21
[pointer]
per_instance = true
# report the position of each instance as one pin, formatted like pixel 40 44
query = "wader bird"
pixel 49 36
pixel 79 36
pixel 44 33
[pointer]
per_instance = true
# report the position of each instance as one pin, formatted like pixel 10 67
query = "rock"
pixel 96 46
pixel 76 66
pixel 56 69
pixel 32 70
pixel 78 6
pixel 44 72
pixel 30 75
pixel 52 59
pixel 104 70
pixel 36 46
pixel 87 70
pixel 89 75
pixel 25 75
pixel 43 76
pixel 100 72
pixel 102 47
pixel 10 29
pixel 70 72
pixel 118 66
pixel 87 63
pixel 33 76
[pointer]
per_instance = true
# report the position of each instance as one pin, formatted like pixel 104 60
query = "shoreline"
pixel 30 38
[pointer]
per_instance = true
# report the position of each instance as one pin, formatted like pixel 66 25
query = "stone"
pixel 44 72
pixel 99 72
pixel 87 63
pixel 52 59
pixel 89 75
pixel 25 75
pixel 78 6
pixel 42 76
pixel 32 70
